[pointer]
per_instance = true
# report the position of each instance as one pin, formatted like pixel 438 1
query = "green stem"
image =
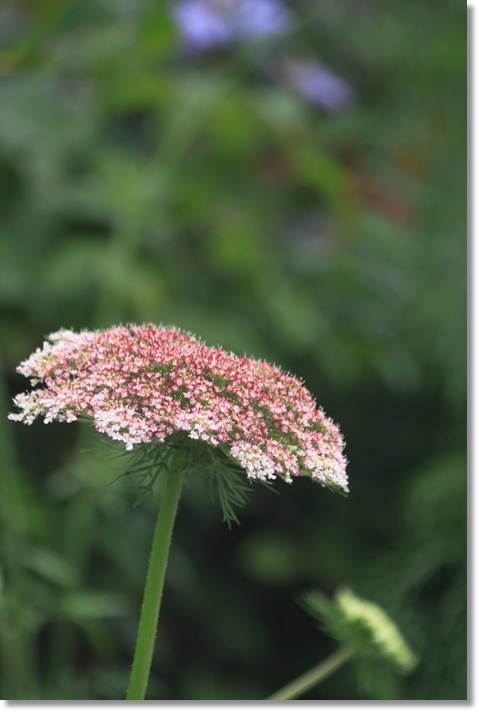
pixel 154 587
pixel 315 675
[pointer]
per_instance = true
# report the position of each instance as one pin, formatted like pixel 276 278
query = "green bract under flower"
pixel 145 384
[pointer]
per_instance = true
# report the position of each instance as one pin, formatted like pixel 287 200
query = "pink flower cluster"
pixel 143 384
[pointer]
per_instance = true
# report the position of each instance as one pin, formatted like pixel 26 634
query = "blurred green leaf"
pixel 86 605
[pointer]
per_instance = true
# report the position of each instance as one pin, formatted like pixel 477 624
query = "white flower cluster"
pixel 143 385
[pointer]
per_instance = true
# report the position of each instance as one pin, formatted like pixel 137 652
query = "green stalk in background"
pixel 314 676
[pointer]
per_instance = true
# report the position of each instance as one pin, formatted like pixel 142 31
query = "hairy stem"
pixel 314 676
pixel 154 587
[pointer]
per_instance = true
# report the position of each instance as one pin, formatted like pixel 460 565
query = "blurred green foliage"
pixel 143 181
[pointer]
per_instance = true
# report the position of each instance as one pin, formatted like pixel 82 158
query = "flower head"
pixel 318 84
pixel 144 384
pixel 364 624
pixel 207 23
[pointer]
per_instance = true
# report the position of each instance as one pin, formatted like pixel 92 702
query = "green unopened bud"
pixel 363 624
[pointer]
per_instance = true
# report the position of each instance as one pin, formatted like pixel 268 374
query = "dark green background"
pixel 143 182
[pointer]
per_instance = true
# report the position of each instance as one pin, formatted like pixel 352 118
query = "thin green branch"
pixel 314 676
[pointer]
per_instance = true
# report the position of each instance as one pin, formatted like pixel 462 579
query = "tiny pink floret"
pixel 145 384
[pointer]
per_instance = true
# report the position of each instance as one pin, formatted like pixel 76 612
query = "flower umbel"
pixel 362 623
pixel 367 635
pixel 144 384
